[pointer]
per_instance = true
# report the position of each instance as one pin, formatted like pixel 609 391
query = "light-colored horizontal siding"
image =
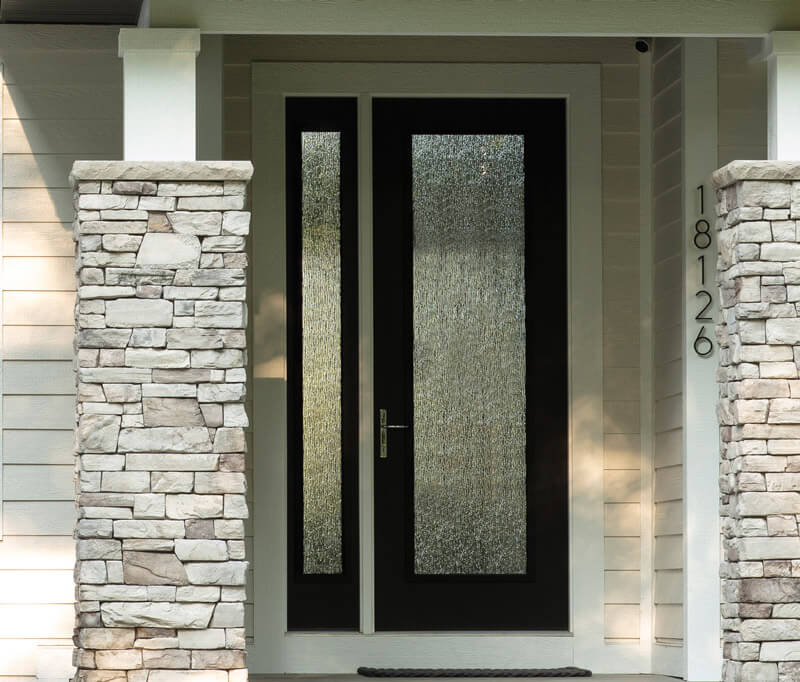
pixel 667 108
pixel 62 101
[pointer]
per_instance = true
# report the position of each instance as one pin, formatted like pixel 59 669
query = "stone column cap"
pixel 736 171
pixel 175 171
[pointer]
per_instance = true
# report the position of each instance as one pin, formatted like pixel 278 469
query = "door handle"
pixel 383 419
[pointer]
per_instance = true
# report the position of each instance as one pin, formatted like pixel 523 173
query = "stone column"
pixel 758 204
pixel 160 447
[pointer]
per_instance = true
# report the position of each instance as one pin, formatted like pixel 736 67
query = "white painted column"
pixel 782 52
pixel 159 76
pixel 701 539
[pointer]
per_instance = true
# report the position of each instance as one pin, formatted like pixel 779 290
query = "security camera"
pixel 642 45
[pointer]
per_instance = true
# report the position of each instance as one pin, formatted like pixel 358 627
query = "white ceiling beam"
pixel 477 17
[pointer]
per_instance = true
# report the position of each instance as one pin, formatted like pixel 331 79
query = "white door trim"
pixel 274 649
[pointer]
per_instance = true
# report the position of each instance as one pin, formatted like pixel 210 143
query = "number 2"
pixel 700 316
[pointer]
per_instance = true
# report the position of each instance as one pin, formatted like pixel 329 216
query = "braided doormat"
pixel 475 672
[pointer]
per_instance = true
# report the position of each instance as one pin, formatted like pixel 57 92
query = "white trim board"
pixel 453 17
pixel 702 647
pixel 646 379
pixel 2 309
pixel 274 649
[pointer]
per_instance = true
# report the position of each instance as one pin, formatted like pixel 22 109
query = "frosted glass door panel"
pixel 469 365
pixel 322 353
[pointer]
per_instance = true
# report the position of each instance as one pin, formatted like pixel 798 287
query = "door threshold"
pixel 359 678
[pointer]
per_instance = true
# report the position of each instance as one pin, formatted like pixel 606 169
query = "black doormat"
pixel 475 672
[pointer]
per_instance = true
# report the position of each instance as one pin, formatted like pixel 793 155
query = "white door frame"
pixel 276 650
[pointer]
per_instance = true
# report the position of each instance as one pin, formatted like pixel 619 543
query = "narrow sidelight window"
pixel 322 362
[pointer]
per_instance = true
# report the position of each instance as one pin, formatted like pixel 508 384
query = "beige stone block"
pixel 166 658
pixel 172 412
pixel 219 658
pixel 122 659
pixel 106 638
pixel 157 643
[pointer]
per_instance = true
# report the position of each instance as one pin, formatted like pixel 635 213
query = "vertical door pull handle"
pixel 383 419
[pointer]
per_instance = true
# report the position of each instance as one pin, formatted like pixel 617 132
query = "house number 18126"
pixel 703 345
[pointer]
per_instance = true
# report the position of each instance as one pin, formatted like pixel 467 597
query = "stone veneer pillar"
pixel 758 205
pixel 160 447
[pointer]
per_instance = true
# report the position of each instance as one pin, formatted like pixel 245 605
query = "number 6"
pixel 699 340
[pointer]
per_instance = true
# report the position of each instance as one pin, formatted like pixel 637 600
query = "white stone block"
pixel 218 573
pixel 223 244
pixel 184 506
pixel 189 189
pixel 754 549
pixel 126 482
pixel 107 201
pixel 149 506
pixel 98 433
pixel 201 550
pixel 140 312
pixel 229 528
pixel 92 572
pixel 148 529
pixel 236 507
pixel 165 439
pixel 202 593
pixel 169 390
pixel 188 676
pixel 215 203
pixel 171 462
pixel 148 357
pixel 156 615
pixel 197 223
pixel 236 223
pixel 171 481
pixel 780 651
pixel 228 615
pixel 220 314
pixel 202 639
pixel 157 203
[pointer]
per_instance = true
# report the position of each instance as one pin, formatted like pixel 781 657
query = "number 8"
pixel 701 234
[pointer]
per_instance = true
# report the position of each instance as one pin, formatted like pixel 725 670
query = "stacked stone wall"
pixel 160 447
pixel 759 409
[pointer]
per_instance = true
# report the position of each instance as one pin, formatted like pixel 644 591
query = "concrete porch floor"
pixel 358 678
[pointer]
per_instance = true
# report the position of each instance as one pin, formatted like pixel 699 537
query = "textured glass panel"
pixel 469 354
pixel 322 354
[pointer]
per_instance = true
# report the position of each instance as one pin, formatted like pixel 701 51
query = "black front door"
pixel 470 310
